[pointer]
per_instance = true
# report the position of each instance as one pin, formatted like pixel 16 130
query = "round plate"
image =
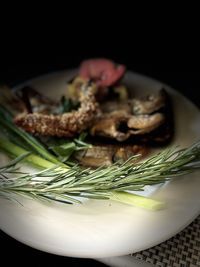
pixel 105 228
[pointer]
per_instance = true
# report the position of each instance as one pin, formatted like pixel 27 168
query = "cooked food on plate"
pixel 98 102
pixel 93 141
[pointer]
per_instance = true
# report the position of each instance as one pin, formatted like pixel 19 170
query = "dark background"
pixel 163 45
pixel 180 74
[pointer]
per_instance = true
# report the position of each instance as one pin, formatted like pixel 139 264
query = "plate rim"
pixel 45 76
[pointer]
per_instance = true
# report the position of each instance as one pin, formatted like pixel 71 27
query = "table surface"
pixel 184 81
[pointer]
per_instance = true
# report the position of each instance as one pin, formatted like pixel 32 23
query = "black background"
pixel 174 70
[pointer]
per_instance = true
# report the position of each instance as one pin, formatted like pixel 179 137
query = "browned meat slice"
pixel 105 155
pixel 145 123
pixel 149 104
pixel 120 125
pixel 109 124
pixel 137 117
pixel 37 102
pixel 68 124
pixel 103 71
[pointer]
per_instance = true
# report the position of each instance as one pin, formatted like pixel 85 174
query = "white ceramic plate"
pixel 104 228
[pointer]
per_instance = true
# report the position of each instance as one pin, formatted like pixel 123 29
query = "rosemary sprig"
pixel 64 185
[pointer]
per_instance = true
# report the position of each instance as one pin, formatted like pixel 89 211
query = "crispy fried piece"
pixel 65 125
